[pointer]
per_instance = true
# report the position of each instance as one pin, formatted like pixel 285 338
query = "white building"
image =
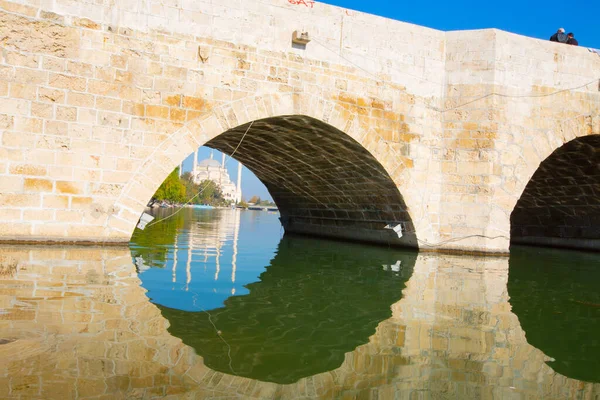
pixel 217 172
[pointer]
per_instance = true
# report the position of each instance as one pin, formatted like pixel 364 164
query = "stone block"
pixel 70 187
pixel 38 215
pixel 53 201
pixel 14 106
pixel 37 185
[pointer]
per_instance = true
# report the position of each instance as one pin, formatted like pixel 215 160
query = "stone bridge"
pixel 457 139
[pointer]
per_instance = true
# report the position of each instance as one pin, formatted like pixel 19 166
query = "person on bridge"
pixel 559 36
pixel 571 39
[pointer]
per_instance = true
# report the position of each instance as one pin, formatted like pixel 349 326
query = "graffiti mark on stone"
pixel 306 3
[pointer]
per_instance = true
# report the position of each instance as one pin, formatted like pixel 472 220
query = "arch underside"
pixel 560 205
pixel 323 181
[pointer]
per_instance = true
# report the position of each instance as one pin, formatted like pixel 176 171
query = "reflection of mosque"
pixel 205 241
pixel 198 268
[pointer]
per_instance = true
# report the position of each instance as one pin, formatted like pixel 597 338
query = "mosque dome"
pixel 209 163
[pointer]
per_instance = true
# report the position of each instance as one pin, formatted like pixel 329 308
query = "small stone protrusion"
pixel 202 56
pixel 300 38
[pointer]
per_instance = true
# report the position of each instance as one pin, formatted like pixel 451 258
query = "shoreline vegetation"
pixel 181 191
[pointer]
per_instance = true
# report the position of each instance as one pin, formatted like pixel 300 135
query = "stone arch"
pixel 222 129
pixel 521 158
pixel 560 206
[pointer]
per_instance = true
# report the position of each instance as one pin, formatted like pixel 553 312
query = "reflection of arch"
pixel 440 342
pixel 287 327
pixel 560 205
pixel 348 162
pixel 555 295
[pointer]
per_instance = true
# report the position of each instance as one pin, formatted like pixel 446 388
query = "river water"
pixel 219 304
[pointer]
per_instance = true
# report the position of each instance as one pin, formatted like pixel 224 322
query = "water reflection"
pixel 76 323
pixel 197 252
pixel 316 301
pixel 556 295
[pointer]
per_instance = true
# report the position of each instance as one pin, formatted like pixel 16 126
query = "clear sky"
pixel 535 18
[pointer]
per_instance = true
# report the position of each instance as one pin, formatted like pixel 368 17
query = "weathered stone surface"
pixel 102 101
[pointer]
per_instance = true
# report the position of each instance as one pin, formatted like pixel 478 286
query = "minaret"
pixel 223 161
pixel 195 163
pixel 180 169
pixel 239 184
pixel 211 154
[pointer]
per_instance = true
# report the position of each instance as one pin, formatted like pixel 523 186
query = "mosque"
pixel 217 172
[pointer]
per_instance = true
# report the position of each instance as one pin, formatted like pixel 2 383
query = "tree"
pixel 254 199
pixel 186 176
pixel 172 189
pixel 191 189
pixel 210 193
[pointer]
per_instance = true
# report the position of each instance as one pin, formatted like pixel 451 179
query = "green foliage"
pixel 211 194
pixel 183 190
pixel 172 189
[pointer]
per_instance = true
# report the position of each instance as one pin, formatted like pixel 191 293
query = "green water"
pixel 556 295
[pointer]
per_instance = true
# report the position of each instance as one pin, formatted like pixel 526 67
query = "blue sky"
pixel 533 18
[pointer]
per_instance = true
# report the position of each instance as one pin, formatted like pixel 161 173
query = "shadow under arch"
pixel 288 327
pixel 323 181
pixel 560 206
pixel 554 293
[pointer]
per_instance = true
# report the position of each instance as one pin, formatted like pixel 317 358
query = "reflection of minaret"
pixel 239 183
pixel 236 233
pixel 175 260
pixel 217 262
pixel 212 240
pixel 188 266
